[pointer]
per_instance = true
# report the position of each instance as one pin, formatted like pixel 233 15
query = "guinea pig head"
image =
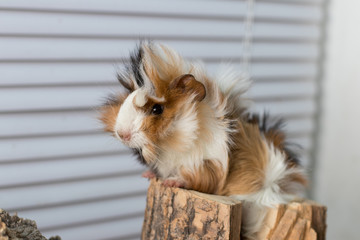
pixel 145 121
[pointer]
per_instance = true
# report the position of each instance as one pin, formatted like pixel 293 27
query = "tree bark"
pixel 174 213
pixel 16 228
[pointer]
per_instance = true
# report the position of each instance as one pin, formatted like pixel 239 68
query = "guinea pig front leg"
pixel 173 182
pixel 208 178
pixel 148 174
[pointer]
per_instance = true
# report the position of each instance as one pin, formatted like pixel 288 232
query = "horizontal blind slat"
pixel 74 191
pixel 74 24
pixel 92 97
pixel 286 108
pixel 76 202
pixel 101 230
pixel 164 38
pixel 133 7
pixel 102 49
pixel 83 73
pixel 195 9
pixel 72 169
pixel 86 212
pixel 57 145
pixel 45 124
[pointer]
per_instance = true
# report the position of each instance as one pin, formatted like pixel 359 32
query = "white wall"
pixel 338 175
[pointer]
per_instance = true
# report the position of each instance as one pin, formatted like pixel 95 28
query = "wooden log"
pixel 298 231
pixel 302 220
pixel 285 225
pixel 175 213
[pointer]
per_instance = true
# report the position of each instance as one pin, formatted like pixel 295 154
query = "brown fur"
pixel 277 137
pixel 187 84
pixel 149 153
pixel 208 178
pixel 160 85
pixel 175 139
pixel 109 112
pixel 156 126
pixel 159 71
pixel 248 161
pixel 273 135
pixel 294 177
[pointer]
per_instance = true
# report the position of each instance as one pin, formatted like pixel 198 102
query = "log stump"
pixel 175 213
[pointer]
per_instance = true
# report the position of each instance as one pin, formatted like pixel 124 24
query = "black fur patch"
pixel 135 65
pixel 267 124
pixel 132 68
pixel 110 100
pixel 124 83
pixel 292 153
pixel 138 153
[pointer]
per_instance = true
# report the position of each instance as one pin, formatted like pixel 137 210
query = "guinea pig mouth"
pixel 132 140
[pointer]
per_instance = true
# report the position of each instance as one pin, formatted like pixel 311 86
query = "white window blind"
pixel 58 61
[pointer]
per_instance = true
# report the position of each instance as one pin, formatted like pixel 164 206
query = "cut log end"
pixel 301 220
pixel 175 213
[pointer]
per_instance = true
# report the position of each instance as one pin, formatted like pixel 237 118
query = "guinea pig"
pixel 194 131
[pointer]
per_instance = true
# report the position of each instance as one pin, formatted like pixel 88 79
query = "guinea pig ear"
pixel 187 84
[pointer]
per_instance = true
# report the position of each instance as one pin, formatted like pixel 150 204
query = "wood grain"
pixel 174 213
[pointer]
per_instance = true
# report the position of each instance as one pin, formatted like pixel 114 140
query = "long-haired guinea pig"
pixel 193 131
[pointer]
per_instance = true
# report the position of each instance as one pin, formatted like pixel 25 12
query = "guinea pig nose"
pixel 126 136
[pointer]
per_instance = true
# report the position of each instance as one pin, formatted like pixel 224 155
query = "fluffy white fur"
pixel 231 81
pixel 195 147
pixel 256 205
pixel 140 97
pixel 129 120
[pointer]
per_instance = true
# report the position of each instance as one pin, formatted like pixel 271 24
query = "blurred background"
pixel 58 62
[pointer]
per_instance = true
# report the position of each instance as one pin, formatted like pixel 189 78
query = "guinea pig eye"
pixel 157 109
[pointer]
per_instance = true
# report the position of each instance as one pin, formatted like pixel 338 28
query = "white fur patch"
pixel 276 171
pixel 130 120
pixel 140 98
pixel 159 99
pixel 234 85
pixel 185 126
pixel 256 204
pixel 232 81
pixel 195 144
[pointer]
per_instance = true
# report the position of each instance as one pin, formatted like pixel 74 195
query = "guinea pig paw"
pixel 148 174
pixel 173 183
